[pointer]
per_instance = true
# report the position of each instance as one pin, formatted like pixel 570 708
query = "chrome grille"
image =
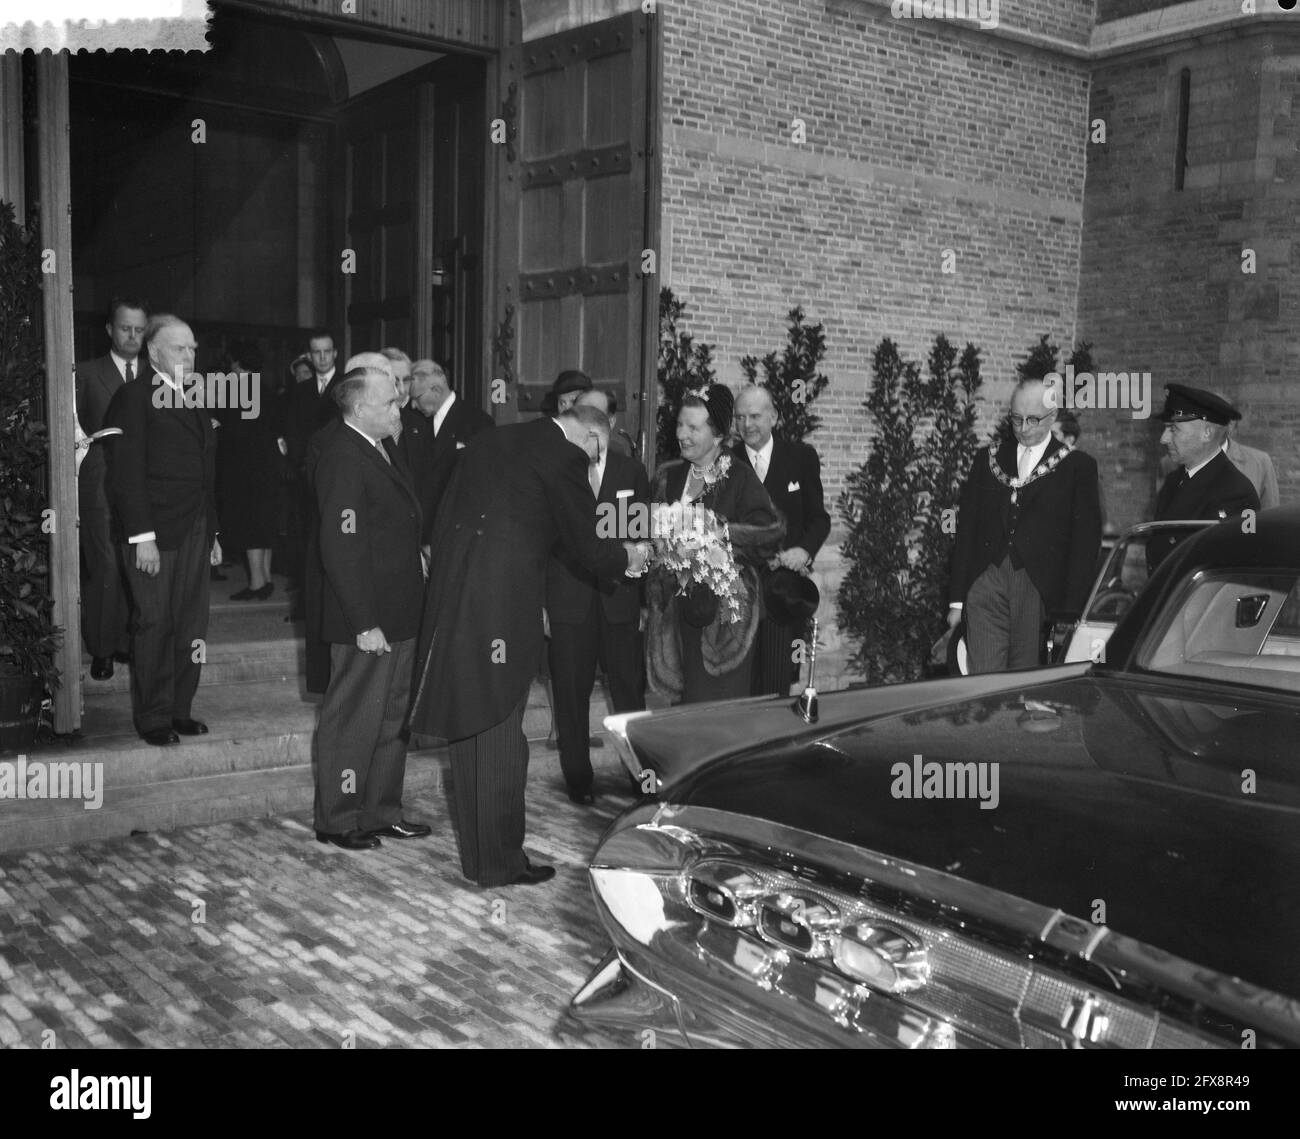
pixel 912 984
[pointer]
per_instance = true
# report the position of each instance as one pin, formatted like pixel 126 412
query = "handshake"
pixel 638 557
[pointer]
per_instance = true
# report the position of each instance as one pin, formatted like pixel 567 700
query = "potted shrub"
pixel 28 636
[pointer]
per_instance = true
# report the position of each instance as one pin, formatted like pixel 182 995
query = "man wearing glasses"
pixel 1028 535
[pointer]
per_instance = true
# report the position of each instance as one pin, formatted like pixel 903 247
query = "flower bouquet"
pixel 693 546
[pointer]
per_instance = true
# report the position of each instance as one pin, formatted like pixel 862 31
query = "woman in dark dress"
pixel 693 653
pixel 249 468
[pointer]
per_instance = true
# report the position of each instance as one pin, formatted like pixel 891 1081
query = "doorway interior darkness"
pixel 231 186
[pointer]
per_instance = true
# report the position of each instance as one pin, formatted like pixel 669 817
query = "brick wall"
pixel 919 138
pixel 1161 281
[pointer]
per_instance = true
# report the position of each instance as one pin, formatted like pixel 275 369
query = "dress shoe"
pixel 533 874
pixel 244 594
pixel 101 668
pixel 216 574
pixel 263 592
pixel 402 829
pixel 190 727
pixel 160 737
pixel 582 798
pixel 350 840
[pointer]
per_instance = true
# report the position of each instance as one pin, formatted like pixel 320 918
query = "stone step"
pixel 256 760
pixel 179 802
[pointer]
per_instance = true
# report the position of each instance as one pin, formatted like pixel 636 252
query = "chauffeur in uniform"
pixel 1205 483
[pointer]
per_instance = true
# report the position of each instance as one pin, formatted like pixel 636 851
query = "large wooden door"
pixel 387 231
pixel 578 208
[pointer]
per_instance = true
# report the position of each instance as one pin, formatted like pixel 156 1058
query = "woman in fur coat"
pixel 692 653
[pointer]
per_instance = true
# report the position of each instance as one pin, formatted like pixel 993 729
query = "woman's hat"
pixel 790 598
pixel 720 405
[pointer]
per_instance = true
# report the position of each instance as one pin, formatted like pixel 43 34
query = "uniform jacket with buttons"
pixel 162 468
pixel 1217 491
pixel 518 491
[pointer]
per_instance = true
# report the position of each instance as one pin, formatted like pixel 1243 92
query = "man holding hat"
pixel 1205 483
pixel 791 474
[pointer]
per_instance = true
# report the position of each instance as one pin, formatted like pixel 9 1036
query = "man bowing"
pixel 517 492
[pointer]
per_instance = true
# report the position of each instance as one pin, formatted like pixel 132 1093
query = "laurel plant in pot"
pixel 28 636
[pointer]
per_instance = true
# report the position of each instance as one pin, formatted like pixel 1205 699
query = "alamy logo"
pixel 233 391
pixel 102 1093
pixel 983 12
pixel 920 780
pixel 37 780
pixel 1082 391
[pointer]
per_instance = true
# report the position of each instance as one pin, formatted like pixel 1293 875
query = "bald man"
pixel 318 654
pixel 791 473
pixel 372 581
pixel 161 473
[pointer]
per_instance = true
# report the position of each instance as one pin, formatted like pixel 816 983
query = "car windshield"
pixel 1125 574
pixel 1241 626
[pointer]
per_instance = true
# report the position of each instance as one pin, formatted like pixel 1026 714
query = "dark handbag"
pixel 698 606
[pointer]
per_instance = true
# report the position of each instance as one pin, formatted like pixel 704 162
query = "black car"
pixel 1087 855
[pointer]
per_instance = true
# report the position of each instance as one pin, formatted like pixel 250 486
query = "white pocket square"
pixel 624 493
pixel 460 446
pixel 792 486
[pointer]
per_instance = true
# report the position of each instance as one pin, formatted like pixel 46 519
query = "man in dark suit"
pixel 517 492
pixel 596 621
pixel 307 410
pixel 1028 533
pixel 373 579
pixel 313 582
pixel 1204 482
pixel 414 439
pixel 454 424
pixel 161 472
pixel 791 473
pixel 105 606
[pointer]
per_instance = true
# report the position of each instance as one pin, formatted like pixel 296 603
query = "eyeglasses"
pixel 1030 421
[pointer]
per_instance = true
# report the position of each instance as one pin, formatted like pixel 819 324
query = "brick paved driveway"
pixel 252 934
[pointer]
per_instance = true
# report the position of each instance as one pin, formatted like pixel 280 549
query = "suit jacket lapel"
pixel 776 480
pixel 1007 457
pixel 675 481
pixel 1034 487
pixel 372 454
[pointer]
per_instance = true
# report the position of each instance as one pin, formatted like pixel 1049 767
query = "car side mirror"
pixel 1250 609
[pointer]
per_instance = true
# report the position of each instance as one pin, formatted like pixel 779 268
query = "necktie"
pixel 379 446
pixel 760 465
pixel 1024 463
pixel 130 375
pixel 593 477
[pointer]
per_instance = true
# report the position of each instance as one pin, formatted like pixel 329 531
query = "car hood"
pixel 1172 818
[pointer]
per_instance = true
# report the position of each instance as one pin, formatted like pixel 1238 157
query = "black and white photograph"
pixel 651 526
